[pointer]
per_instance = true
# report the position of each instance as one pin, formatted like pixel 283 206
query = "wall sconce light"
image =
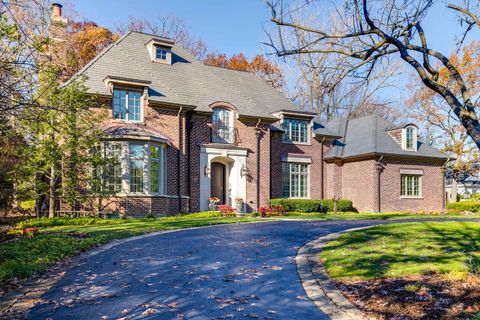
pixel 243 171
pixel 207 170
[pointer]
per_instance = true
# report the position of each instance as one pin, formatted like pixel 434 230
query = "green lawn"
pixel 54 243
pixel 398 250
pixel 60 238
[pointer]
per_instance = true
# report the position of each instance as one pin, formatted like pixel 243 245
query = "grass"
pixel 399 250
pixel 60 238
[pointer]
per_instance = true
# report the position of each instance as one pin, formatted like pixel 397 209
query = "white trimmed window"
pixel 411 185
pixel 137 168
pixel 157 169
pixel 127 104
pixel 161 54
pixel 222 126
pixel 296 130
pixel 409 138
pixel 295 180
pixel 113 168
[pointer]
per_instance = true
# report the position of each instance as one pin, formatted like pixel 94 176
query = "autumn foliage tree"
pixel 269 71
pixel 84 41
pixel 443 126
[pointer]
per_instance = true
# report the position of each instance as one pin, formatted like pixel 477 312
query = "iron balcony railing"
pixel 223 135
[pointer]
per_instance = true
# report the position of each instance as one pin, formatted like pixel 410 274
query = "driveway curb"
pixel 317 284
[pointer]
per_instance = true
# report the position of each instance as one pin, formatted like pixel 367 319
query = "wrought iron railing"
pixel 224 135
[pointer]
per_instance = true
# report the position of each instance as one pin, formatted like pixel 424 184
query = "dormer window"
pixel 409 141
pixel 160 50
pixel 296 131
pixel 161 54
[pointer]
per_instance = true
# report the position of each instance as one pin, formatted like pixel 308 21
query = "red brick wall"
pixel 358 184
pixel 280 149
pixel 247 138
pixel 432 187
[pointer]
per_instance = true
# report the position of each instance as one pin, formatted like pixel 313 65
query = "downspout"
pixel 179 159
pixel 257 133
pixel 321 169
pixel 444 192
pixel 189 128
pixel 378 170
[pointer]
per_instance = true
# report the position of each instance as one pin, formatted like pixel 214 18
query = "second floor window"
pixel 127 104
pixel 295 130
pixel 222 126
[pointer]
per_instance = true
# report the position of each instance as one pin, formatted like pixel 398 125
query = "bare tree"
pixel 380 29
pixel 168 26
pixel 316 78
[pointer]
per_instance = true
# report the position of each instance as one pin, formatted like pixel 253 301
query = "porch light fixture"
pixel 243 171
pixel 206 170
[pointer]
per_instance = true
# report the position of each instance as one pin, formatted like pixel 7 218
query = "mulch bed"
pixel 431 296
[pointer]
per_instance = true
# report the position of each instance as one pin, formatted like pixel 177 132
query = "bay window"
pixel 137 167
pixel 295 180
pixel 296 130
pixel 133 167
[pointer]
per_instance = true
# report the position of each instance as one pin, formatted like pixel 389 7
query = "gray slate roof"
pixel 185 82
pixel 367 135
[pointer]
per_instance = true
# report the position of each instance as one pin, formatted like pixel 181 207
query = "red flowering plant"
pixel 226 210
pixel 30 232
pixel 271 211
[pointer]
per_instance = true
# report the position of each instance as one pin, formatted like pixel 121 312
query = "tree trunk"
pixel 51 193
pixel 453 191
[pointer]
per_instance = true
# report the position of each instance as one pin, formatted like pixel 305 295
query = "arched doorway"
pixel 218 181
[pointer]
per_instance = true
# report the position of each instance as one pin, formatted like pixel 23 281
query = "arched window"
pixel 222 125
pixel 410 138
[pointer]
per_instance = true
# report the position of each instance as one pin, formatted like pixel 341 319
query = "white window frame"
pixel 127 90
pixel 229 127
pixel 405 195
pixel 288 131
pixel 162 174
pixel 307 174
pixel 414 138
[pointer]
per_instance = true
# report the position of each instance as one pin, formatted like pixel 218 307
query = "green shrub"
pixel 311 205
pixel 464 206
pixel 28 205
pixel 475 197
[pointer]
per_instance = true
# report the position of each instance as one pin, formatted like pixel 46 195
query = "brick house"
pixel 183 132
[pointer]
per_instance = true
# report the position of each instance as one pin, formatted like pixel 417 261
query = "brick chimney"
pixel 56 11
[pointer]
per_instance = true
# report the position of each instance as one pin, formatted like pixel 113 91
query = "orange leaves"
pixel 264 68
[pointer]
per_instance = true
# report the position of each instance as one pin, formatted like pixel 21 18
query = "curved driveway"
pixel 244 271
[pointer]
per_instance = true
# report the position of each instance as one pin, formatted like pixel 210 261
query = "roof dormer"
pixel 409 137
pixel 160 50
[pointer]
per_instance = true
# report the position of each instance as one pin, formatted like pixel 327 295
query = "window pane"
pixel 295 130
pixel 154 169
pixel 137 167
pixel 161 54
pixel 410 185
pixel 134 101
pixel 119 104
pixel 285 180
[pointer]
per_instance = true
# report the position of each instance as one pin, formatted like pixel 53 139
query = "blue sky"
pixel 230 27
pixel 226 26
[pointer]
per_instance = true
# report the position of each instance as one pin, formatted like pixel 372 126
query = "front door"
pixel 217 183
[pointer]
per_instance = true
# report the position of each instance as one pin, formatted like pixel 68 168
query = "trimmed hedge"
pixel 312 205
pixel 473 206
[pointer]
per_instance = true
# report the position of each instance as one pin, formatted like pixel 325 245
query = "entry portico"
pixel 223 173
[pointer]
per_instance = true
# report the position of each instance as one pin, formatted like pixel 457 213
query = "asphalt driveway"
pixel 244 271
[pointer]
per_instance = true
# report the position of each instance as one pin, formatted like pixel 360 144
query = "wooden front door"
pixel 217 182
